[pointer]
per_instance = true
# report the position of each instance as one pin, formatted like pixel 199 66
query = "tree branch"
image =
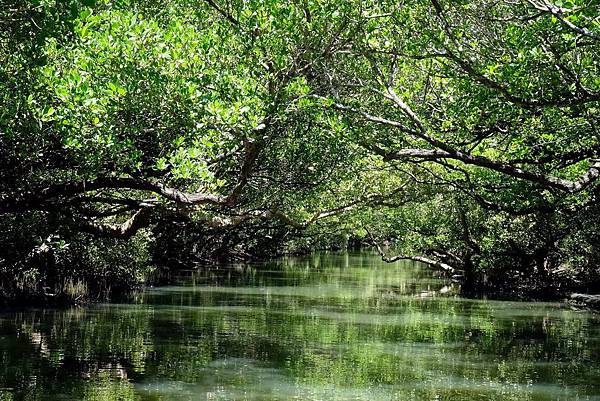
pixel 125 230
pixel 445 151
pixel 467 67
pixel 423 259
pixel 546 180
pixel 224 13
pixel 558 12
pixel 40 197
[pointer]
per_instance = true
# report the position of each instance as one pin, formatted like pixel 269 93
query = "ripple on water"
pixel 246 379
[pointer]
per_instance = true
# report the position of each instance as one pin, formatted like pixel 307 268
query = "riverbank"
pixel 125 282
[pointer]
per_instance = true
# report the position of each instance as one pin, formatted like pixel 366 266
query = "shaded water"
pixel 324 327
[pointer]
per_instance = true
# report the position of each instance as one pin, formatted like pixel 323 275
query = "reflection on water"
pixel 325 327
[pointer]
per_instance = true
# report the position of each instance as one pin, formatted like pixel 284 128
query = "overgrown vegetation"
pixel 142 133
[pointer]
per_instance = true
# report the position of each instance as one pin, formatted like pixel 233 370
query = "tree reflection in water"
pixel 330 326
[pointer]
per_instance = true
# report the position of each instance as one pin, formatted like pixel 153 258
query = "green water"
pixel 325 327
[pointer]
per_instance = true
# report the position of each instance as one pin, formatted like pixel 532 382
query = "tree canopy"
pixel 464 132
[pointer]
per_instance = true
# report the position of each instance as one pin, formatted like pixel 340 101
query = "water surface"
pixel 331 326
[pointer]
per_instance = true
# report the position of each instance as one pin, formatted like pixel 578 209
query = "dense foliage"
pixel 463 133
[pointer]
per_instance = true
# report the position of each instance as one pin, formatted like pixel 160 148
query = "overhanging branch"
pixel 38 198
pixel 127 229
pixel 417 258
pixel 443 150
pixel 584 181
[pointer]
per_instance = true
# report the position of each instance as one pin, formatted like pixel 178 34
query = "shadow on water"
pixel 332 326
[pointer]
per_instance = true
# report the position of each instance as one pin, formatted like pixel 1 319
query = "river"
pixel 329 326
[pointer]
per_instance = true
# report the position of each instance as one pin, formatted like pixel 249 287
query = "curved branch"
pixel 39 197
pixel 445 151
pixel 391 259
pixel 129 228
pixel 558 12
pixel 467 67
pixel 546 180
pixel 433 263
pixel 42 197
